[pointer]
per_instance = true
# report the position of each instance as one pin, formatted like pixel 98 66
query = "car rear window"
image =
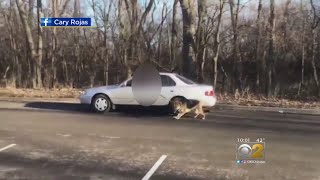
pixel 167 81
pixel 185 80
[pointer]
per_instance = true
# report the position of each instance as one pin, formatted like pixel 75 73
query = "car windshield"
pixel 185 80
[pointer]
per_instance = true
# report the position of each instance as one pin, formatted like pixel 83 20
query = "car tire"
pixel 101 104
pixel 172 102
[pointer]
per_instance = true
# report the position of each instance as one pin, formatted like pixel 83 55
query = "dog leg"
pixel 197 114
pixel 178 116
pixel 182 114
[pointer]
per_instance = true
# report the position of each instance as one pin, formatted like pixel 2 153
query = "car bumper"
pixel 84 99
pixel 209 102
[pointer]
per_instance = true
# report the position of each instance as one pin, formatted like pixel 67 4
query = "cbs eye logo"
pixel 246 151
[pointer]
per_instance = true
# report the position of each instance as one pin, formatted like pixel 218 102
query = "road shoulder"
pixel 22 103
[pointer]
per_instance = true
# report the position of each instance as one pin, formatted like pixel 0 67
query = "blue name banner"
pixel 65 22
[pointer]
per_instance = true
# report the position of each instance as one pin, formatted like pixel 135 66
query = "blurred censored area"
pixel 146 84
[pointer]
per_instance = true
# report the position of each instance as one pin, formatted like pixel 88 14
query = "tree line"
pixel 263 47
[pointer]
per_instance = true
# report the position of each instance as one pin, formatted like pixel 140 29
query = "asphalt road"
pixel 80 145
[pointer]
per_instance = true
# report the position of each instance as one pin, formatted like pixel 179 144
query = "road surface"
pixel 125 145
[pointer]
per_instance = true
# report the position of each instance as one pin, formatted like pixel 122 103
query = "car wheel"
pixel 172 103
pixel 101 104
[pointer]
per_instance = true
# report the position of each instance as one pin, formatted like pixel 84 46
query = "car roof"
pixel 161 73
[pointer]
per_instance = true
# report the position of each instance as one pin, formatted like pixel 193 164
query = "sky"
pixel 249 10
pixel 250 4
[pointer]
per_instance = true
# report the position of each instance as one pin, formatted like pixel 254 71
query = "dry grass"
pixel 40 93
pixel 259 100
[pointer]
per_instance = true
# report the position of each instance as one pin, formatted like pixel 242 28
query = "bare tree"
pixel 40 46
pixel 174 34
pixel 163 16
pixel 29 37
pixel 136 27
pixel 76 36
pixel 30 13
pixel 302 46
pixel 258 45
pixel 200 44
pixel 105 51
pixel 217 44
pixel 10 18
pixel 285 25
pixel 314 25
pixel 186 63
pixel 102 12
pixel 237 73
pixel 270 63
pixel 54 46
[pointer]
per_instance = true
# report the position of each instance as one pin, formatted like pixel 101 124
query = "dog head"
pixel 178 107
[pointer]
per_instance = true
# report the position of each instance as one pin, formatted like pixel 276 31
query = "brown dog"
pixel 182 109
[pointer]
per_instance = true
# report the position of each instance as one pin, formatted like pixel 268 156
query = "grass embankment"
pixel 40 93
pixel 260 100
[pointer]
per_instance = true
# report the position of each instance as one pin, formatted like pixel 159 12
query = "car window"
pixel 185 80
pixel 167 81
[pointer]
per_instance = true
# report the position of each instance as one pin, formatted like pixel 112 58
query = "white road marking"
pixel 154 167
pixel 7 147
pixel 64 135
pixel 111 137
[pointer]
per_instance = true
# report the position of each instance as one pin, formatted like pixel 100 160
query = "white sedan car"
pixel 174 88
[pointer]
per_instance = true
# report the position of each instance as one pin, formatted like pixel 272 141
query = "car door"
pixel 167 90
pixel 123 95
